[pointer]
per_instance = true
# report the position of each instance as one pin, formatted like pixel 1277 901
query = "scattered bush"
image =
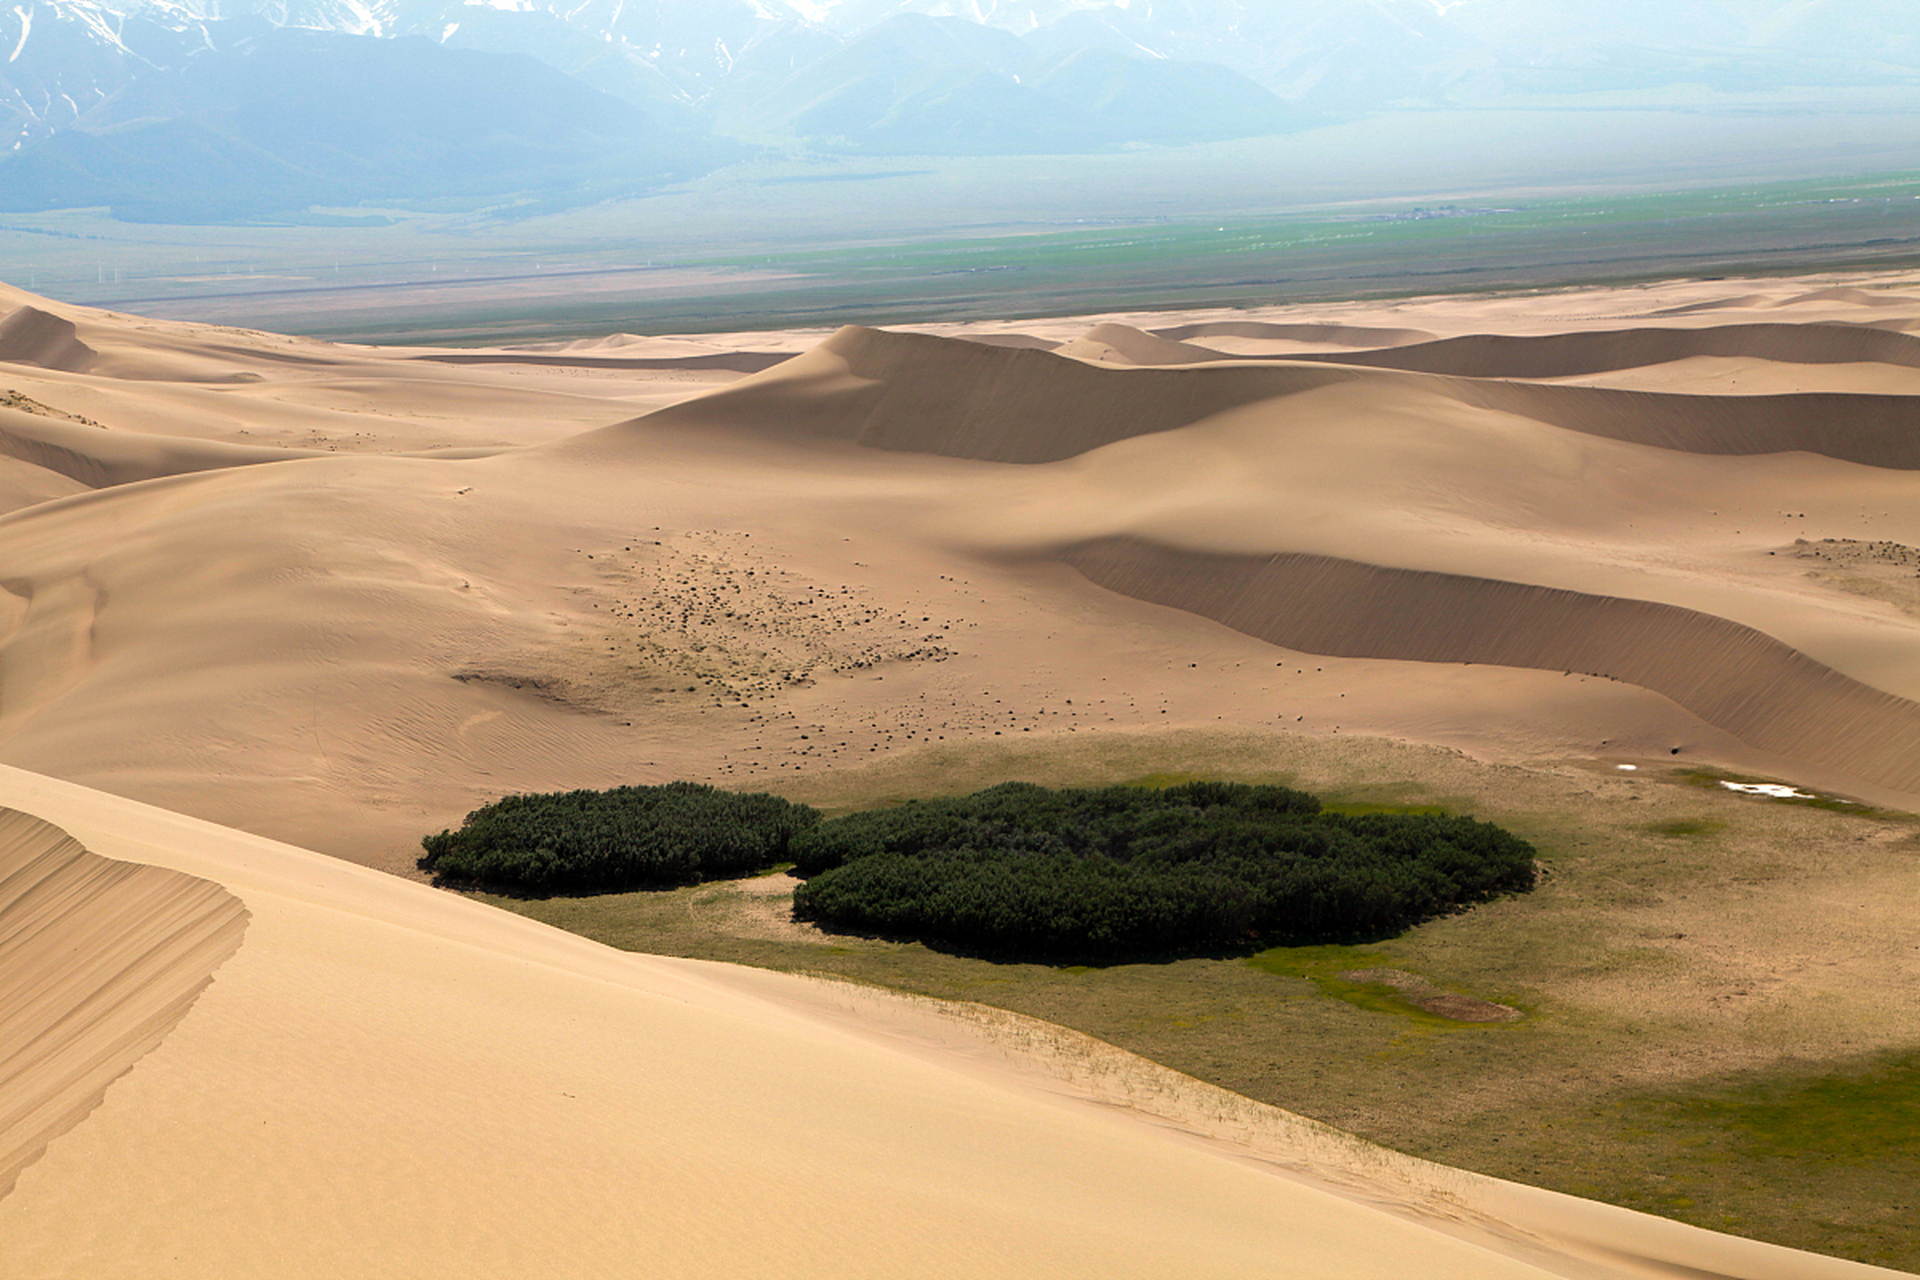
pixel 1123 871
pixel 627 838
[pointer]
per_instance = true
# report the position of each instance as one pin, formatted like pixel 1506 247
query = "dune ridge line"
pixel 99 959
pixel 1730 675
pixel 918 393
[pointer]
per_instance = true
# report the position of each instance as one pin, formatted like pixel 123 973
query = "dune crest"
pixel 100 458
pixel 1123 344
pixel 1566 355
pixel 1731 676
pixel 31 336
pixel 1341 335
pixel 916 393
pixel 99 960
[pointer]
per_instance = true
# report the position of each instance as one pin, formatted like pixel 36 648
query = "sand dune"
pixel 924 394
pixel 29 335
pixel 385 1080
pixel 732 361
pixel 1730 676
pixel 98 458
pixel 1571 354
pixel 1342 335
pixel 101 959
pixel 411 615
pixel 1123 344
pixel 625 562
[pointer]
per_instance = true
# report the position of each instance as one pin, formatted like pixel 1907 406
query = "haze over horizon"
pixel 168 112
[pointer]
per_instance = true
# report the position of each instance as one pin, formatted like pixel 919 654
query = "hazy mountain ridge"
pixel 938 77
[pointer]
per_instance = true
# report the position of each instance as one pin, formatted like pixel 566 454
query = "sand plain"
pixel 338 596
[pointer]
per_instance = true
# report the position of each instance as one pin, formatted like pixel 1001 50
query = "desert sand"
pixel 338 596
pixel 1667 523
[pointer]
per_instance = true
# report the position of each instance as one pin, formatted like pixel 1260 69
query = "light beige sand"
pixel 388 1081
pixel 626 560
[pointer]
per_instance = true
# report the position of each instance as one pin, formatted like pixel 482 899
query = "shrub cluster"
pixel 1123 871
pixel 627 838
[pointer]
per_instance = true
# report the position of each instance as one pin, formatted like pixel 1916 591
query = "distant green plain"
pixel 470 279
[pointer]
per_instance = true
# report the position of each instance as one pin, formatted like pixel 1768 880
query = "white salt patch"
pixel 1779 791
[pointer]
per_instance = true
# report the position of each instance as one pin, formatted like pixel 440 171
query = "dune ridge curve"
pixel 1565 355
pixel 29 335
pixel 917 393
pixel 1732 676
pixel 99 960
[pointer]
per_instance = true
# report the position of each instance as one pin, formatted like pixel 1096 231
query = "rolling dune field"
pixel 272 607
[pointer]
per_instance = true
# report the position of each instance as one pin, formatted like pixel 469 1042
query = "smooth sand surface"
pixel 384 1080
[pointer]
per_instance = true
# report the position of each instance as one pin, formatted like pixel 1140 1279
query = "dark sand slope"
pixel 1567 355
pixel 98 960
pixel 31 336
pixel 1341 335
pixel 924 394
pixel 1731 676
pixel 97 458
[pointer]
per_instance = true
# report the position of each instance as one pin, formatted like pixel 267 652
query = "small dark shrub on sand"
pixel 627 838
pixel 1023 871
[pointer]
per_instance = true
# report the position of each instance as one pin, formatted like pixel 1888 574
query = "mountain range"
pixel 189 109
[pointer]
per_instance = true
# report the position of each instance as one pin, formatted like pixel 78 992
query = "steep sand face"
pixel 390 1081
pixel 1570 354
pixel 920 394
pixel 29 335
pixel 1731 676
pixel 100 960
pixel 1335 335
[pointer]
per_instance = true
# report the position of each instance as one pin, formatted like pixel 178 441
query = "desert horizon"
pixel 1632 569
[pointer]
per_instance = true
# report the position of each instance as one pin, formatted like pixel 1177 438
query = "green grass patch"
pixel 1862 1115
pixel 1324 966
pixel 1685 828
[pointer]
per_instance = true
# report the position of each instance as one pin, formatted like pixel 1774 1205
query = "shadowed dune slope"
pixel 1025 341
pixel 1851 296
pixel 731 361
pixel 1731 676
pixel 1566 355
pixel 1342 335
pixel 1120 343
pixel 916 393
pixel 98 960
pixel 31 336
pixel 100 458
pixel 1872 430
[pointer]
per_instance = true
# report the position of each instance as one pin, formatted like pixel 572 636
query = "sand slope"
pixel 101 959
pixel 914 392
pixel 388 1081
pixel 540 570
pixel 1731 676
